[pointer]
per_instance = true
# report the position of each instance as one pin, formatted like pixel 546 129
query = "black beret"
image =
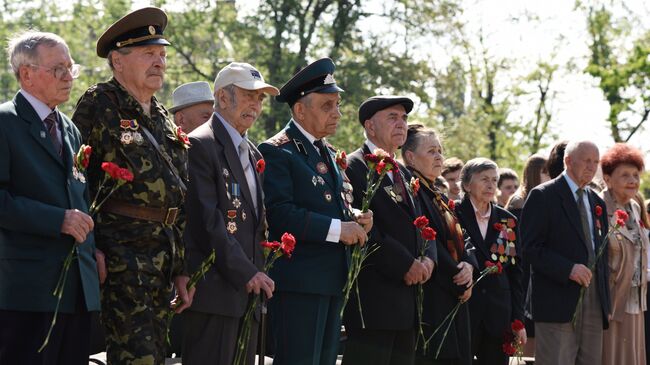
pixel 376 103
pixel 317 77
pixel 138 28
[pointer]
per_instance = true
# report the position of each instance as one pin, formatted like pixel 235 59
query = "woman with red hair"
pixel 624 341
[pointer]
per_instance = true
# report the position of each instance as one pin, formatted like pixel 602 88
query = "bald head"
pixel 581 160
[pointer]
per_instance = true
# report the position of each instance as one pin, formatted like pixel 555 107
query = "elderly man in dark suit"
pixel 43 212
pixel 387 284
pixel 306 195
pixel 225 213
pixel 562 231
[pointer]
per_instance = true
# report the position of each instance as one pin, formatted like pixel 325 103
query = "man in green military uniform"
pixel 139 227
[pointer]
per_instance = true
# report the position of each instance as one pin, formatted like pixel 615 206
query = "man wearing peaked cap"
pixel 225 213
pixel 308 195
pixel 192 105
pixel 138 228
pixel 387 284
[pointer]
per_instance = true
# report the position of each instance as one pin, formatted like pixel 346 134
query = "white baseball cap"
pixel 190 94
pixel 245 76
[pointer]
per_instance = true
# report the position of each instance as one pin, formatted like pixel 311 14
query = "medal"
pixel 321 168
pixel 231 227
pixel 321 180
pixel 328 196
pixel 314 180
pixel 42 134
pixel 225 173
pixel 126 137
pixel 349 198
pixel 243 215
pixel 137 138
pixel 231 214
pixel 236 193
pixel 236 203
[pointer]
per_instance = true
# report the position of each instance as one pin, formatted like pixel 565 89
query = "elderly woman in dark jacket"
pixel 449 283
pixel 497 300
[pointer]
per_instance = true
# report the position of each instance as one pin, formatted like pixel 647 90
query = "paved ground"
pixel 267 361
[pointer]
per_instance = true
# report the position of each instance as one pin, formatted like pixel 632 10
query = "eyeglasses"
pixel 60 71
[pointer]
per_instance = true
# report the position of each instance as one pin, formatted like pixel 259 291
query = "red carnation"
pixel 111 169
pixel 86 152
pixel 380 166
pixel 451 204
pixel 260 166
pixel 288 243
pixel 498 226
pixel 517 325
pixel 182 136
pixel 125 174
pixel 272 245
pixel 508 348
pixel 621 214
pixel 499 267
pixel 342 160
pixel 415 185
pixel 428 233
pixel 599 210
pixel 421 222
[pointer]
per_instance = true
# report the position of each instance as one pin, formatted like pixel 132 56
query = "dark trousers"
pixel 306 328
pixel 487 348
pixel 211 339
pixel 22 333
pixel 379 347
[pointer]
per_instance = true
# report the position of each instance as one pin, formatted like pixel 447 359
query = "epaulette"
pixel 279 139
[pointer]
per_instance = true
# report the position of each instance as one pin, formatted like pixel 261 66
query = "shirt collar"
pixel 307 135
pixel 372 147
pixel 572 184
pixel 485 216
pixel 40 107
pixel 235 137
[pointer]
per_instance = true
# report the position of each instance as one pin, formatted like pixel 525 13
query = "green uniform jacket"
pixel 302 199
pixel 36 187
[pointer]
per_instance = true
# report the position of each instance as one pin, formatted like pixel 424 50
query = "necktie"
pixel 585 225
pixel 51 125
pixel 244 158
pixel 325 154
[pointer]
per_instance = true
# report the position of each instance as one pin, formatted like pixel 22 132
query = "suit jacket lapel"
pixel 491 233
pixel 471 225
pixel 36 128
pixel 68 150
pixel 260 192
pixel 232 158
pixel 571 208
pixel 312 156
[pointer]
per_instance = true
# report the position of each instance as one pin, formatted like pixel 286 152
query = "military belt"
pixel 161 215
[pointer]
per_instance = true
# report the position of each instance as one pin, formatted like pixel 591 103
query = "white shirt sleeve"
pixel 334 234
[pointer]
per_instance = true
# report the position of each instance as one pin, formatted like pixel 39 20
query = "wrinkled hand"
pixel 580 274
pixel 101 265
pixel 521 336
pixel 364 219
pixel 183 298
pixel 352 233
pixel 429 265
pixel 464 276
pixel 261 282
pixel 77 224
pixel 466 295
pixel 416 274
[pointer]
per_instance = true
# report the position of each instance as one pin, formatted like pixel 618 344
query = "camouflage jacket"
pixel 110 121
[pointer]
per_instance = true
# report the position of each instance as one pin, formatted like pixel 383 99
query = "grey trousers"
pixel 210 339
pixel 561 344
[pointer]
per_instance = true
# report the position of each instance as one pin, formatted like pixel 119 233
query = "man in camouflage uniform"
pixel 139 227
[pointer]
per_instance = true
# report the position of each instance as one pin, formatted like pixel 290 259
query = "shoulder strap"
pixel 165 158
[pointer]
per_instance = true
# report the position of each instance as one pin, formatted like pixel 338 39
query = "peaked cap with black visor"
pixel 140 27
pixel 317 77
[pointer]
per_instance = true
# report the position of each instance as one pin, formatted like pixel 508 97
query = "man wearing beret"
pixel 138 228
pixel 192 105
pixel 225 213
pixel 388 282
pixel 308 195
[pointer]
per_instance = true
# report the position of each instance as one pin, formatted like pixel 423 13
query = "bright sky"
pixel 526 31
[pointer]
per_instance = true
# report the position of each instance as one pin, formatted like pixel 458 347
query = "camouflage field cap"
pixel 138 28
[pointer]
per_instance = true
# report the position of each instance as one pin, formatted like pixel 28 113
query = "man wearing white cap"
pixel 225 213
pixel 193 103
